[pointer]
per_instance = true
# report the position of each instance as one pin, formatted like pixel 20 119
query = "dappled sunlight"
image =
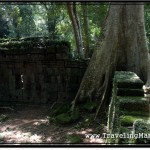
pixel 22 122
pixel 17 136
pixel 83 134
pixel 49 139
pixel 33 126
pixel 86 131
pixel 40 121
pixel 20 130
pixel 94 140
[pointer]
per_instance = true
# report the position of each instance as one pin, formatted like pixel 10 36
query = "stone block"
pixel 127 80
pixel 51 49
pixel 61 56
pixel 133 104
pixel 72 64
pixel 53 64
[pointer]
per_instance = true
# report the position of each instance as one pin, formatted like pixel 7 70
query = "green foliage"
pixel 141 126
pixel 75 114
pixel 60 108
pixel 129 120
pixel 61 114
pixel 50 19
pixel 86 122
pixel 63 118
pixel 74 139
pixel 90 105
pixel 34 42
pixel 3 118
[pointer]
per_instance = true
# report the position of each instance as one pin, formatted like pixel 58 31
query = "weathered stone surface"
pixel 38 74
pixel 127 120
pixel 127 106
pixel 142 127
pixel 133 104
pixel 128 80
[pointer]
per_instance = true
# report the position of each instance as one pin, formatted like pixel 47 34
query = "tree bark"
pixel 86 37
pixel 122 47
pixel 76 27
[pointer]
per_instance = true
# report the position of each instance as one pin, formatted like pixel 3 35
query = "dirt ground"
pixel 29 124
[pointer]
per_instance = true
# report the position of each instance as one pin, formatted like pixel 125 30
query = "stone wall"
pixel 129 110
pixel 39 75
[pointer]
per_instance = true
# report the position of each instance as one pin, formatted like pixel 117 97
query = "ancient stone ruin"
pixel 37 70
pixel 129 110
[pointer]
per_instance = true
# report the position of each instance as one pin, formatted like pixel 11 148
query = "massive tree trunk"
pixel 122 47
pixel 76 27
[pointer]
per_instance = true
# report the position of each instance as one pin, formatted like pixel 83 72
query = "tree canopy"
pixel 51 19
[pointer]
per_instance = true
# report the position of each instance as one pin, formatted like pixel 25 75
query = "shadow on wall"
pixel 39 74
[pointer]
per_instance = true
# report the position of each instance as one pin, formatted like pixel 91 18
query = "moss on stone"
pixel 63 115
pixel 125 79
pixel 124 110
pixel 129 120
pixel 133 104
pixel 34 42
pixel 134 113
pixel 143 127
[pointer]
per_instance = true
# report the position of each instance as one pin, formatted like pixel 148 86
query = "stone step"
pixel 135 113
pixel 128 120
pixel 128 80
pixel 130 92
pixel 131 104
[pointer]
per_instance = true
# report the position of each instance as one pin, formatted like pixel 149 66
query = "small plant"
pixel 75 114
pixel 62 114
pixel 60 108
pixel 74 139
pixel 90 106
pixel 63 118
pixel 85 123
pixel 3 118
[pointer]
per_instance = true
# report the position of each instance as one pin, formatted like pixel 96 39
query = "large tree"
pixel 86 33
pixel 122 47
pixel 71 7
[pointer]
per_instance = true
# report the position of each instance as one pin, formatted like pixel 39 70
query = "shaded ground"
pixel 30 125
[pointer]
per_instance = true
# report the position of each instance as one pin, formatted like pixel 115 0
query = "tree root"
pixel 105 85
